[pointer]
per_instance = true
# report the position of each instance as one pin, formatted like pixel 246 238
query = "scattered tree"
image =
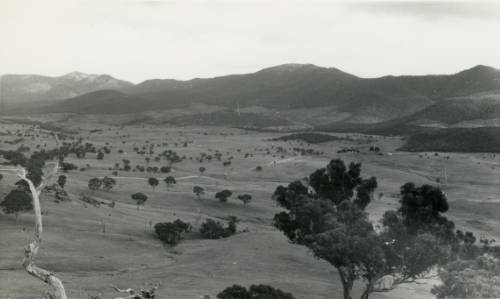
pixel 100 155
pixel 198 191
pixel 170 180
pixel 223 195
pixel 140 198
pixel 108 183
pixel 17 201
pixel 61 181
pixel 94 184
pixel 245 198
pixel 153 182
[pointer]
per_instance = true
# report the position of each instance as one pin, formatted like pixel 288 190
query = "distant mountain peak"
pixel 19 89
pixel 290 67
pixel 480 68
pixel 75 75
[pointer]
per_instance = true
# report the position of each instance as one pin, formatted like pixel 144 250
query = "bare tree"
pixel 31 250
pixel 133 294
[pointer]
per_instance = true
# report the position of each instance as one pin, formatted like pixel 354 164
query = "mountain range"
pixel 18 90
pixel 300 93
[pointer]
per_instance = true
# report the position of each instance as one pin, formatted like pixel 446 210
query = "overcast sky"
pixel 137 40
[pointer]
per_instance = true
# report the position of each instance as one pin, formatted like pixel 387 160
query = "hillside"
pixel 22 89
pixel 469 140
pixel 101 102
pixel 455 110
pixel 321 93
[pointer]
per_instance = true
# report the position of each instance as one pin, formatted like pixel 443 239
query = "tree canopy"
pixel 17 201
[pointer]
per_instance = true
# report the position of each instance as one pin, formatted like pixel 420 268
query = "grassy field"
pixel 128 254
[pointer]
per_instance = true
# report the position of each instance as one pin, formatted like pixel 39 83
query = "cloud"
pixel 431 9
pixel 137 40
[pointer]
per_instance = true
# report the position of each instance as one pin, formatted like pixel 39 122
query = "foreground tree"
pixel 37 172
pixel 417 235
pixel 330 221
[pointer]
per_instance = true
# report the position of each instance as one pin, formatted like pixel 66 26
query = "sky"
pixel 137 40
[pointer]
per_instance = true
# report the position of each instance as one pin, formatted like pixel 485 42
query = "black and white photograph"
pixel 249 149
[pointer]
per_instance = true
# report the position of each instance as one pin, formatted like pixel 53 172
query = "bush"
pixel 223 195
pixel 212 229
pixel 68 166
pixel 171 232
pixel 478 278
pixel 255 291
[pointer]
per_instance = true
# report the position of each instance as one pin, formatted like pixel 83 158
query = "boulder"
pixel 385 283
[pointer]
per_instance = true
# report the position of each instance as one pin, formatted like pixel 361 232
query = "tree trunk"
pixel 367 291
pixel 347 283
pixel 31 250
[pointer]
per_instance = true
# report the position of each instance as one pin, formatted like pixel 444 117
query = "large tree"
pixel 328 217
pixel 418 235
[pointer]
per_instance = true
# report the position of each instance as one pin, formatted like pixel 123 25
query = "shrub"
pixel 255 291
pixel 212 229
pixel 223 195
pixel 171 232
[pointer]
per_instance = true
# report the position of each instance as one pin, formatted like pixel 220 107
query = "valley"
pixel 92 248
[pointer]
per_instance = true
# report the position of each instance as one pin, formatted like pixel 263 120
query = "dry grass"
pixel 129 255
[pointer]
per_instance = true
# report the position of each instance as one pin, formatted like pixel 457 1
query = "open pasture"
pixel 93 248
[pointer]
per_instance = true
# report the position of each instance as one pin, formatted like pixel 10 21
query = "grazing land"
pixel 93 247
